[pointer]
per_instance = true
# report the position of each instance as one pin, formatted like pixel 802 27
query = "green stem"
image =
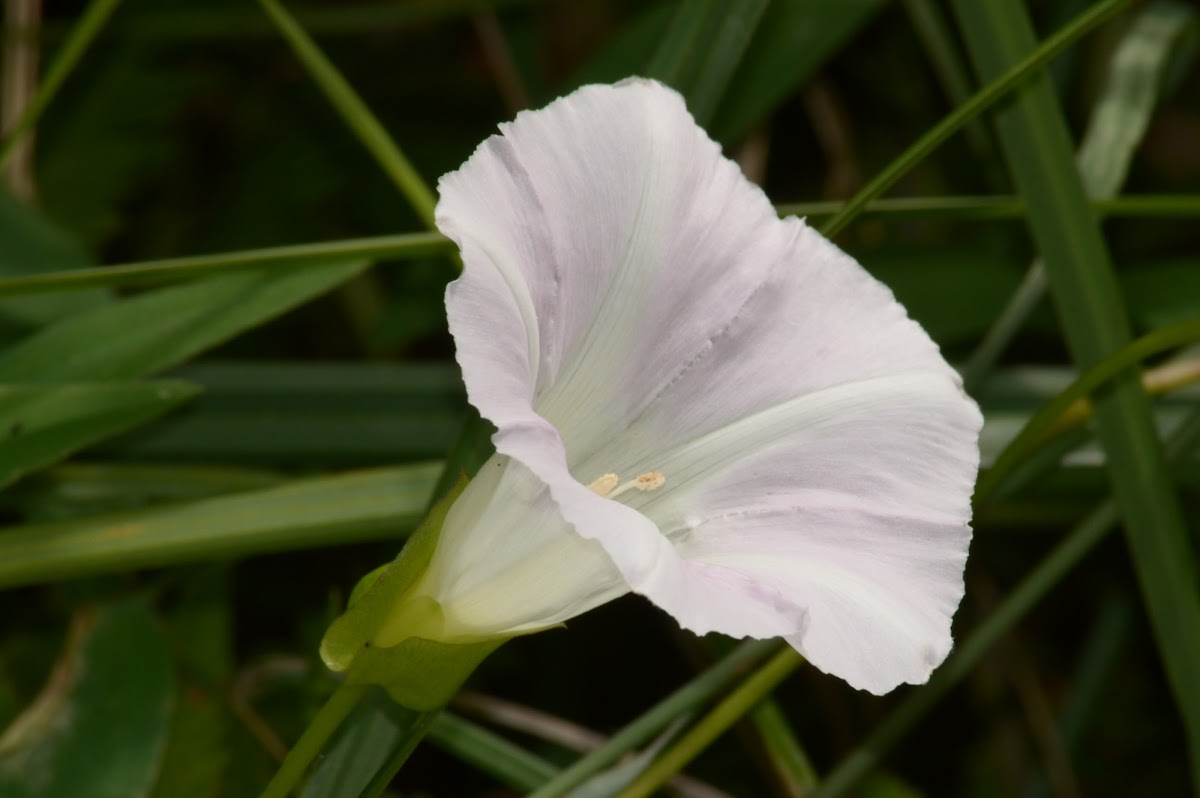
pixel 355 113
pixel 714 724
pixel 1026 68
pixel 309 746
pixel 686 698
pixel 409 245
pixel 77 43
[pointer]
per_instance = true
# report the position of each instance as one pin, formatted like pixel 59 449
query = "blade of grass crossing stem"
pixel 748 694
pixel 406 245
pixel 355 113
pixel 687 698
pixel 1048 573
pixel 418 245
pixel 1005 82
pixel 65 60
pixel 1034 136
pixel 1116 127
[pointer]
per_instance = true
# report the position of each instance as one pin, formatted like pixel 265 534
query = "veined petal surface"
pixel 631 303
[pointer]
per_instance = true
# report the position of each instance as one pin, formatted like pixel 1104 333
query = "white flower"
pixel 695 400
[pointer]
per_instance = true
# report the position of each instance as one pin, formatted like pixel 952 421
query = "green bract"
pixel 417 672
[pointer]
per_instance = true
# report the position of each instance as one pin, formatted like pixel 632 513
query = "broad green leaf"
pixel 152 331
pixel 100 726
pixel 40 424
pixel 308 413
pixel 32 245
pixel 346 508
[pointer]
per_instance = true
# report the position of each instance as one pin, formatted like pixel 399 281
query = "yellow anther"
pixel 603 485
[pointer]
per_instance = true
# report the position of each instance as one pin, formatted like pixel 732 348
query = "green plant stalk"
pixel 406 245
pixel 355 113
pixel 688 697
pixel 1037 144
pixel 1003 83
pixel 306 749
pixel 1048 573
pixel 748 694
pixel 418 245
pixel 81 37
pixel 790 761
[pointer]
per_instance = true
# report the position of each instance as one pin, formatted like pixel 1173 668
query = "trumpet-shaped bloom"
pixel 695 401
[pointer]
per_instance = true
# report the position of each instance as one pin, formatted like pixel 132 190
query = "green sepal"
pixel 418 673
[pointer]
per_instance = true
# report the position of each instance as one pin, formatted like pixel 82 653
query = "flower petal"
pixel 508 563
pixel 850 502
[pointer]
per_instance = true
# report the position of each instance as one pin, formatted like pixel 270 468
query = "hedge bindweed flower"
pixel 695 401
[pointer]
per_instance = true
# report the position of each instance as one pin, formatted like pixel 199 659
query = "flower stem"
pixel 724 715
pixel 306 749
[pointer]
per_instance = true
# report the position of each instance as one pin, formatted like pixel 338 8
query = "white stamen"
pixel 607 487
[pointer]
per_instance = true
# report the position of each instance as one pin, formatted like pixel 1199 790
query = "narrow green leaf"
pixel 146 333
pixel 715 723
pixel 100 726
pixel 694 694
pixel 508 763
pixel 1012 77
pixel 363 505
pixel 40 424
pixel 1037 144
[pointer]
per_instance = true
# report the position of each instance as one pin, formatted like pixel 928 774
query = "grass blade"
pixel 1117 124
pixel 1034 136
pixel 355 113
pixel 149 332
pixel 41 424
pixel 1003 83
pixel 322 511
pixel 77 43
